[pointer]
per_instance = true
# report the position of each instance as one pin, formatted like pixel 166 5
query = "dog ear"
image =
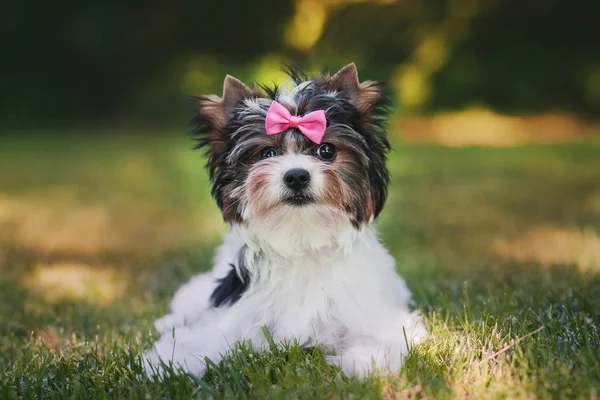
pixel 213 113
pixel 364 96
pixel 217 111
pixel 371 101
pixel 234 92
pixel 212 116
pixel 346 82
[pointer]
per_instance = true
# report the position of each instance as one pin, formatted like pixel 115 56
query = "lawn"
pixel 501 247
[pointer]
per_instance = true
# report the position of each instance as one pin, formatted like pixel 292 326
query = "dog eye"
pixel 326 152
pixel 268 152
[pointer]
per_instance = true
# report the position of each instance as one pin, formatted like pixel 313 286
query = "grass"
pixel 501 248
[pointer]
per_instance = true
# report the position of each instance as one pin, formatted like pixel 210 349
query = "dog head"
pixel 286 180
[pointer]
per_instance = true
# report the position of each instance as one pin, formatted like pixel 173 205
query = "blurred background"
pixel 99 62
pixel 105 210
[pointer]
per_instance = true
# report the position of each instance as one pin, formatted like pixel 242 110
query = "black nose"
pixel 296 178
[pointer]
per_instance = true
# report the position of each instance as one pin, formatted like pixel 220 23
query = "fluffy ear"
pixel 346 82
pixel 234 92
pixel 212 117
pixel 218 110
pixel 371 101
pixel 364 96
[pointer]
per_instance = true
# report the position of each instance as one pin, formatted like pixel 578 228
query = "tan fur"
pixel 334 194
pixel 258 180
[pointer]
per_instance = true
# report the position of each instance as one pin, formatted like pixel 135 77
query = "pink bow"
pixel 312 125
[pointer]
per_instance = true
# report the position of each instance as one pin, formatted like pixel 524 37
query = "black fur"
pixel 231 288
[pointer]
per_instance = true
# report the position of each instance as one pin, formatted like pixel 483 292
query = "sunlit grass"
pixel 499 245
pixel 482 127
pixel 76 282
pixel 550 246
pixel 125 195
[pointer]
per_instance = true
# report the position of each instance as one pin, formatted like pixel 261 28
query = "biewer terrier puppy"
pixel 299 176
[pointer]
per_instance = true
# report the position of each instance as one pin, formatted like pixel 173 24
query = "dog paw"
pixel 169 356
pixel 349 366
pixel 365 360
pixel 167 323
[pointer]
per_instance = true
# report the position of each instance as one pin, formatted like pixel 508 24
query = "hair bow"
pixel 312 125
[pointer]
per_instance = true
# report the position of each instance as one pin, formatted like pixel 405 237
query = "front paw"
pixel 167 356
pixel 354 361
pixel 362 361
pixel 167 323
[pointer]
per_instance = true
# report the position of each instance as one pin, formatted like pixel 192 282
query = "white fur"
pixel 348 298
pixel 291 231
pixel 314 278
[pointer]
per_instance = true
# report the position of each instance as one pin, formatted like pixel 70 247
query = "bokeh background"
pixel 105 210
pixel 101 61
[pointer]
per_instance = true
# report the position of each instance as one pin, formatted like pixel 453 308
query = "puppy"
pixel 299 175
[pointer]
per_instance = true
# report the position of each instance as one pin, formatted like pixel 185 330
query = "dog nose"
pixel 296 178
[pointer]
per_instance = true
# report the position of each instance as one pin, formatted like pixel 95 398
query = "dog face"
pixel 275 179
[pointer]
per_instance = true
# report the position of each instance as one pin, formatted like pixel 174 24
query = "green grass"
pixel 501 248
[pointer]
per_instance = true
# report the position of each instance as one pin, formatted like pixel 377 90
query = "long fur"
pixel 312 271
